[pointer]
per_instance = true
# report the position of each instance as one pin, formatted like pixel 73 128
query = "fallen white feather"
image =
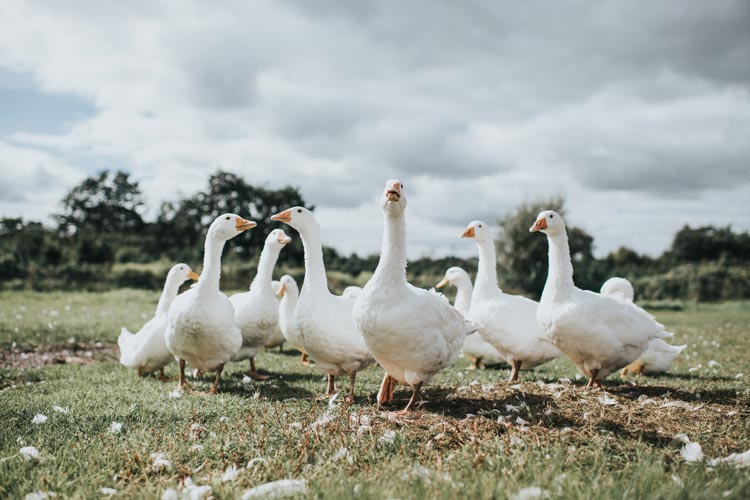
pixel 691 452
pixel 115 427
pixel 530 493
pixel 521 421
pixel 256 461
pixel 388 437
pixel 607 400
pixel 224 419
pixel 61 409
pixel 246 380
pixel 108 491
pixel 277 489
pixel 160 462
pixel 739 460
pixel 176 394
pixel 343 454
pixel 39 419
pixel 713 363
pixel 324 419
pixel 230 473
pixel 512 408
pixel 679 404
pixel 29 453
pixel 39 495
pixel 189 491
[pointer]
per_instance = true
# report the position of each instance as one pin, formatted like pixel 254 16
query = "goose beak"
pixel 469 233
pixel 244 224
pixel 442 283
pixel 281 291
pixel 193 276
pixel 285 216
pixel 538 225
pixel 284 239
pixel 394 192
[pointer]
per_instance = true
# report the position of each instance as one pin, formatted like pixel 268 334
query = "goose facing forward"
pixel 329 335
pixel 509 321
pixel 256 312
pixel 659 356
pixel 201 330
pixel 478 350
pixel 600 334
pixel 147 350
pixel 289 293
pixel 412 333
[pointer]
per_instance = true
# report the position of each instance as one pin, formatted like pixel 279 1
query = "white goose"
pixel 412 333
pixel 256 312
pixel 147 350
pixel 509 321
pixel 478 350
pixel 329 335
pixel 201 330
pixel 289 293
pixel 600 334
pixel 659 356
pixel 351 292
pixel 277 338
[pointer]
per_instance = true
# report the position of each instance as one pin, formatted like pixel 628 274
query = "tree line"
pixel 101 239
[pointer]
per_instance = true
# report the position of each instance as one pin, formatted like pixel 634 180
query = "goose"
pixel 289 293
pixel 147 350
pixel 475 347
pixel 509 321
pixel 277 338
pixel 659 355
pixel 600 334
pixel 412 333
pixel 256 312
pixel 201 329
pixel 351 292
pixel 329 335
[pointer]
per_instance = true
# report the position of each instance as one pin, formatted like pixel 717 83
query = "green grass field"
pixel 474 436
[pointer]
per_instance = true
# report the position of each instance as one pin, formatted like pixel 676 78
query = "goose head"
pixel 393 200
pixel 277 239
pixel 180 273
pixel 453 276
pixel 548 222
pixel 477 230
pixel 299 218
pixel 227 226
pixel 287 285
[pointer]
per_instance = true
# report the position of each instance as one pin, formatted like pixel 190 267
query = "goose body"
pixel 478 350
pixel 201 331
pixel 412 333
pixel 598 333
pixel 277 338
pixel 509 321
pixel 659 355
pixel 147 349
pixel 289 293
pixel 326 328
pixel 256 312
pixel 351 292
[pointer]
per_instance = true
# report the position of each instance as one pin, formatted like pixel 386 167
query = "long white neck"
pixel 211 272
pixel 486 282
pixel 268 257
pixel 315 271
pixel 560 275
pixel 288 303
pixel 171 287
pixel 464 289
pixel 392 264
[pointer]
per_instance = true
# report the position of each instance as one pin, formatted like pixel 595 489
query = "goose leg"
pixel 215 388
pixel 412 401
pixel 331 386
pixel 304 360
pixel 140 371
pixel 387 387
pixel 162 377
pixel 281 347
pixel 352 378
pixel 514 371
pixel 592 378
pixel 477 363
pixel 253 373
pixel 182 382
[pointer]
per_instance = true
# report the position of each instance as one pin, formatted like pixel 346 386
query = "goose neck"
pixel 315 271
pixel 560 275
pixel 211 272
pixel 268 257
pixel 392 265
pixel 168 294
pixel 463 294
pixel 486 282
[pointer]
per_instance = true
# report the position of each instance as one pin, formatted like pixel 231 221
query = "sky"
pixel 637 113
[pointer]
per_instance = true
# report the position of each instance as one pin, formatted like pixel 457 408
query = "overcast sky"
pixel 638 113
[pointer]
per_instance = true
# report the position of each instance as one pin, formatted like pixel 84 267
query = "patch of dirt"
pixel 77 353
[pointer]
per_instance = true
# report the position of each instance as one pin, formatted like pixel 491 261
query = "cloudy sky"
pixel 638 113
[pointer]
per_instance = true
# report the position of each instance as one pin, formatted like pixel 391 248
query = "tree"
pixel 104 203
pixel 181 226
pixel 710 243
pixel 523 257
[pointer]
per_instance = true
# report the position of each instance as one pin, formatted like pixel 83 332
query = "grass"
pixel 464 441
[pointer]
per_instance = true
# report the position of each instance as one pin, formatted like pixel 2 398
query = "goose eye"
pixel 480 225
pixel 227 217
pixel 402 186
pixel 299 210
pixel 551 216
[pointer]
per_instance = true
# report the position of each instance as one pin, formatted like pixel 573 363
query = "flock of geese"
pixel 412 333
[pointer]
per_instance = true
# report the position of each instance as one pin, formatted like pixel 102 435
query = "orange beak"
pixel 538 225
pixel 193 276
pixel 394 192
pixel 244 224
pixel 469 233
pixel 281 291
pixel 284 239
pixel 285 216
pixel 442 283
